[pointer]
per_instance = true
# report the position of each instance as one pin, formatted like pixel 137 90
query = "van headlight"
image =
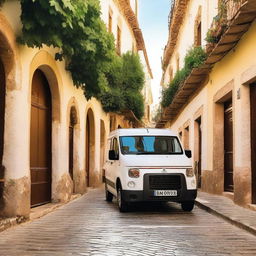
pixel 134 173
pixel 190 172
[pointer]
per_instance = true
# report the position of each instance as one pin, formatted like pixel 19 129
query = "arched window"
pixel 198 28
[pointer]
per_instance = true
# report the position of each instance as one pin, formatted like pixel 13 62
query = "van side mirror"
pixel 188 153
pixel 112 155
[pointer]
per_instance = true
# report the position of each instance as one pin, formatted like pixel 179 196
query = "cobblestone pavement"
pixel 91 226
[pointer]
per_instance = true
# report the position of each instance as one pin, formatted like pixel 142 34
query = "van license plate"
pixel 165 192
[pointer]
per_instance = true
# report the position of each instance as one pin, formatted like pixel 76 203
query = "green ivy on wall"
pixel 77 30
pixel 75 27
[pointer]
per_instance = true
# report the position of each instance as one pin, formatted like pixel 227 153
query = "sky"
pixel 153 21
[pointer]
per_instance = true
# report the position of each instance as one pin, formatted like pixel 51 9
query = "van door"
pixel 112 167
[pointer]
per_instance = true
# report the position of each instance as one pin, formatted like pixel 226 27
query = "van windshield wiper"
pixel 158 153
pixel 146 153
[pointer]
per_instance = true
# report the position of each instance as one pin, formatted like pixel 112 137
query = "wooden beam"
pixel 238 28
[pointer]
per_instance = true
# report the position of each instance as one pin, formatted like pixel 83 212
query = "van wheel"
pixel 123 206
pixel 187 206
pixel 109 196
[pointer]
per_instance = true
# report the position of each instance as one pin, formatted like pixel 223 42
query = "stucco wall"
pixel 127 38
pixel 231 73
pixel 20 65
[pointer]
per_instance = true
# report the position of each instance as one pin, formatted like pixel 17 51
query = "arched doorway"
pixel 2 113
pixel 253 139
pixel 40 140
pixel 102 145
pixel 90 147
pixel 72 123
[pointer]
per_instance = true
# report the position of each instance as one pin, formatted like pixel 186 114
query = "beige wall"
pixel 20 64
pixel 230 75
pixel 127 38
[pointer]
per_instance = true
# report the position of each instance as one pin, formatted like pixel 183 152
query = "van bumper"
pixel 139 196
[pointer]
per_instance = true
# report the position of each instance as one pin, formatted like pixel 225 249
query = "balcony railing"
pixel 229 8
pixel 232 8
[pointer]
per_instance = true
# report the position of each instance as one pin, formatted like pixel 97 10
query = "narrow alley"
pixel 91 226
pixel 75 76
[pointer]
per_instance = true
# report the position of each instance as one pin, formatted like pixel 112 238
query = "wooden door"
pixel 87 151
pixel 71 150
pixel 199 147
pixel 2 113
pixel 253 140
pixel 228 147
pixel 40 140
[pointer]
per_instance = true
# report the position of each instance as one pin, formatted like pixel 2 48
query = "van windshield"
pixel 155 145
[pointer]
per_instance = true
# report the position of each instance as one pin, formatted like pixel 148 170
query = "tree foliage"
pixel 75 27
pixel 127 79
pixel 77 30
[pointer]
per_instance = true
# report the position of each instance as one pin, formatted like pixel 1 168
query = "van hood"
pixel 155 160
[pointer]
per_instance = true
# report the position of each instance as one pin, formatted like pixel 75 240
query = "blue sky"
pixel 153 20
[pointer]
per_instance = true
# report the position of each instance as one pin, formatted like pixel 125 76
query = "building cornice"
pixel 134 24
pixel 175 22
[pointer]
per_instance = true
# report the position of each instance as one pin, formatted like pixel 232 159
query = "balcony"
pixel 232 22
pixel 232 7
pixel 227 12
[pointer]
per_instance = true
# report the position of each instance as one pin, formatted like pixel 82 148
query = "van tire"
pixel 109 196
pixel 187 206
pixel 123 205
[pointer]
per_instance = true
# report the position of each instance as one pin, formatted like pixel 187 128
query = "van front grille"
pixel 165 182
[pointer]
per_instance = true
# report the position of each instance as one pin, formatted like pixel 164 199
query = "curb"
pixel 48 208
pixel 226 218
pixel 38 213
pixel 10 222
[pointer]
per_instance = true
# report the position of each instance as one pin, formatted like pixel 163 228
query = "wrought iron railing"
pixel 231 7
pixel 227 10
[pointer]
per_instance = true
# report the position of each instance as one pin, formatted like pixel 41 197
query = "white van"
pixel 148 165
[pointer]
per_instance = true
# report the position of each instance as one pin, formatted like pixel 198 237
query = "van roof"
pixel 142 131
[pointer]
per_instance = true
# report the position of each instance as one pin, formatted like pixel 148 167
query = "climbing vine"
pixel 77 30
pixel 75 27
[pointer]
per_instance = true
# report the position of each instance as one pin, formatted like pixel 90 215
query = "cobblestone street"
pixel 91 226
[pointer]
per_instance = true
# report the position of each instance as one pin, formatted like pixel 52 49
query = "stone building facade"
pixel 213 111
pixel 51 138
